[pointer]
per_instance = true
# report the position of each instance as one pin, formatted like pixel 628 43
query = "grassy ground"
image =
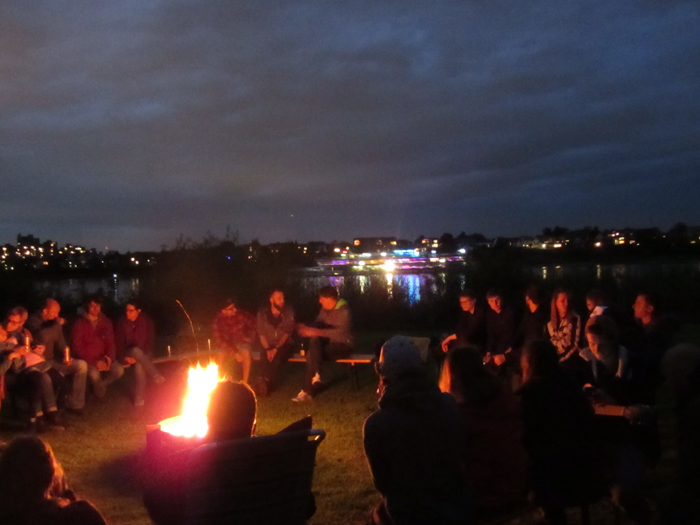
pixel 103 451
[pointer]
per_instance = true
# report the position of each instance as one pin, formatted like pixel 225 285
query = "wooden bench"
pixel 352 360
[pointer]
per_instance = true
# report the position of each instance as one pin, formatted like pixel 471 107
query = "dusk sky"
pixel 125 123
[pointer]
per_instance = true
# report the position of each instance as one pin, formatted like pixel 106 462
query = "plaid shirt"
pixel 233 330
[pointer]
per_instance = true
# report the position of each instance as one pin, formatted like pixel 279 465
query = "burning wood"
pixel 201 381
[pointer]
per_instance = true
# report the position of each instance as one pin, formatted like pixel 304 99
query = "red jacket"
pixel 139 333
pixel 92 342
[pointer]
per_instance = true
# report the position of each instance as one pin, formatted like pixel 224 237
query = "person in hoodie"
pixel 330 338
pixel 413 443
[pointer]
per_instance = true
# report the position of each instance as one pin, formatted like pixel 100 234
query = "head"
pixel 645 307
pixel 401 356
pixel 227 307
pixel 467 379
pixel 467 301
pixel 681 368
pixel 561 305
pixel 595 298
pixel 602 337
pixel 277 299
pixel 539 360
pixel 93 305
pixel 16 317
pixel 328 297
pixel 495 300
pixel 533 298
pixel 29 471
pixel 232 411
pixel 51 310
pixel 133 309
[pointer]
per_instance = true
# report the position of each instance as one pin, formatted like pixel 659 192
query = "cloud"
pixel 126 122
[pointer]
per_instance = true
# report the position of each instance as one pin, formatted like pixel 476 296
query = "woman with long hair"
pixel 494 457
pixel 564 326
pixel 33 490
pixel 564 466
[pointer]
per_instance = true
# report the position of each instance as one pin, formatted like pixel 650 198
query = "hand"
pixel 68 361
pixel 307 331
pixel 102 365
pixel 271 353
pixel 129 360
pixel 60 320
pixel 446 342
pixel 499 359
pixel 12 340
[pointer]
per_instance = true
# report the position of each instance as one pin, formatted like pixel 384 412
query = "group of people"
pixel 37 361
pixel 553 405
pixel 517 406
pixel 272 332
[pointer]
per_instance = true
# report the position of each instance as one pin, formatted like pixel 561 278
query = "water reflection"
pixel 115 288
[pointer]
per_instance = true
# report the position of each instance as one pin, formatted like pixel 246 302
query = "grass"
pixel 103 451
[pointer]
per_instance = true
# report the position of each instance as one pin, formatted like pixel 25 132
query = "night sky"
pixel 125 123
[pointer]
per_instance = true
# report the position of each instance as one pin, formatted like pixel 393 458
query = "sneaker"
pixel 139 402
pixel 158 379
pixel 316 379
pixel 302 397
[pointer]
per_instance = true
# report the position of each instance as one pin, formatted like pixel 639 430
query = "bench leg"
pixel 355 378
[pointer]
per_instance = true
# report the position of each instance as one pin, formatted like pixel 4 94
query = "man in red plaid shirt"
pixel 233 332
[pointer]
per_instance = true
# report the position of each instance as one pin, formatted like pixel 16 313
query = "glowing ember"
pixel 193 420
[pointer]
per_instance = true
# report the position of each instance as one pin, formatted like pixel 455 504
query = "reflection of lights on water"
pixel 389 283
pixel 364 281
pixel 389 266
pixel 598 272
pixel 544 272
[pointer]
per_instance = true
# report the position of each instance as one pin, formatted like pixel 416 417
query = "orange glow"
pixel 193 420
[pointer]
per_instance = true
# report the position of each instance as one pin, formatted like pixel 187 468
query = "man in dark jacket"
pixel 413 444
pixel 135 335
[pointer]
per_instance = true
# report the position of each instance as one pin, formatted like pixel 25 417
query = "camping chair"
pixel 258 481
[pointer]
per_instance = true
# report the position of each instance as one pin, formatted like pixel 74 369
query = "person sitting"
pixel 233 332
pixel 33 490
pixel 655 334
pixel 680 503
pixel 495 460
pixel 330 337
pixel 46 327
pixel 275 326
pixel 470 328
pixel 92 340
pixel 564 462
pixel 628 447
pixel 231 415
pixel 33 373
pixel 414 443
pixel 564 326
pixel 135 334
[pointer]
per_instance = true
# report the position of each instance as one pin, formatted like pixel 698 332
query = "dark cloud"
pixel 126 123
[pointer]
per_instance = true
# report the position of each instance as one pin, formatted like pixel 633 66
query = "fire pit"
pixel 189 429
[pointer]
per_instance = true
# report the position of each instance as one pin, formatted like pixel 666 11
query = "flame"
pixel 193 420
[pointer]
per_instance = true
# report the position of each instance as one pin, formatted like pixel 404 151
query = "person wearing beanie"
pixel 413 443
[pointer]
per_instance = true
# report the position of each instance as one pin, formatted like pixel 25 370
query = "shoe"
pixel 53 419
pixel 302 397
pixel 159 379
pixel 316 379
pixel 139 402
